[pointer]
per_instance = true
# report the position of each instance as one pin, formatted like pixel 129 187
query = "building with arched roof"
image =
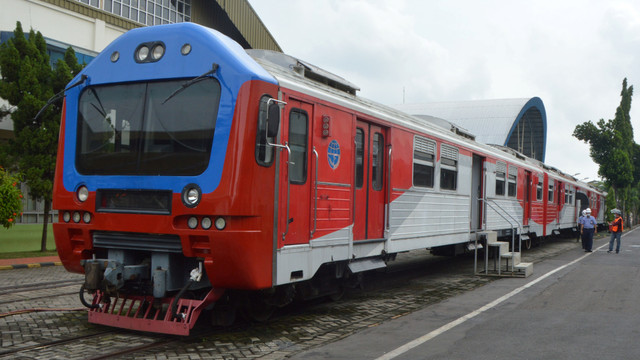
pixel 520 124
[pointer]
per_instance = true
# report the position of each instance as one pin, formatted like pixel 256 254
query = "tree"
pixel 28 82
pixel 613 147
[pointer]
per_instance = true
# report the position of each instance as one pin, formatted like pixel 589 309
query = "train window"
pixel 448 167
pixel 264 153
pixel 359 158
pixel 513 181
pixel 377 161
pixel 133 129
pixel 550 193
pixel 424 151
pixel 298 130
pixel 501 172
pixel 539 190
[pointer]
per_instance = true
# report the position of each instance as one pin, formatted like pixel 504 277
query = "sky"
pixel 572 54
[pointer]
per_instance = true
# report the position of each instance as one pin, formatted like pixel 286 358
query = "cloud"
pixel 572 54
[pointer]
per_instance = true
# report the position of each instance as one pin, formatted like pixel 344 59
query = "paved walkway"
pixel 7 264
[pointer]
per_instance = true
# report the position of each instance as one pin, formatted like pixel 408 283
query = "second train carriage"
pixel 191 174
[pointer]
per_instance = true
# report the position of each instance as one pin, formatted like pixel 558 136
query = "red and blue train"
pixel 194 175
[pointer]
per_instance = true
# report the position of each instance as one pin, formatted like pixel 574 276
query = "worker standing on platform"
pixel 616 230
pixel 584 213
pixel 588 229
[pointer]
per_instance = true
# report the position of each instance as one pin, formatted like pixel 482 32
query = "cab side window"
pixel 264 152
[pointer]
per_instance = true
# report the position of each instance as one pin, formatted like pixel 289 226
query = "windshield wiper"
pixel 191 82
pixel 60 95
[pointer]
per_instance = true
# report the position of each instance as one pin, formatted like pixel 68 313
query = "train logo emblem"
pixel 333 154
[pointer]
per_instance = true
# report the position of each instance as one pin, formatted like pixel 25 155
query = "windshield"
pixel 126 129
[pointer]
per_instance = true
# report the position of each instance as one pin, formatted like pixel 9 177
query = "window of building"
pixel 501 172
pixel 264 152
pixel 298 130
pixel 448 167
pixel 513 181
pixel 424 152
pixel 377 161
pixel 147 12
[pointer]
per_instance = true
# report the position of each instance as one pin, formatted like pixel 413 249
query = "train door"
pixel 296 195
pixel 370 181
pixel 526 205
pixel 477 192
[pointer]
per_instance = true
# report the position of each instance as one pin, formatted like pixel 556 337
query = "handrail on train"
pixel 491 204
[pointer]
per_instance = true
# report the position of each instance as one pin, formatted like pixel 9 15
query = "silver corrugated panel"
pixel 513 170
pixel 425 145
pixel 249 24
pixel 501 167
pixel 449 152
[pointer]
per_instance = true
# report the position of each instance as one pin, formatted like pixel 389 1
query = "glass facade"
pixel 146 12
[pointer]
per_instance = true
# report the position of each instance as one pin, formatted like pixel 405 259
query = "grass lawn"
pixel 23 240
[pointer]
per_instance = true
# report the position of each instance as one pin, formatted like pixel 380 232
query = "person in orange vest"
pixel 616 230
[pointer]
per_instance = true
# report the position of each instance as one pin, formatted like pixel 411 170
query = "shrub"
pixel 10 199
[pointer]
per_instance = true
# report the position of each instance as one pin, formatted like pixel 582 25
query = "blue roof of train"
pixel 208 46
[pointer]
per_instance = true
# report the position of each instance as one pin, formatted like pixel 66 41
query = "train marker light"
pixel 66 216
pixel 157 52
pixel 206 223
pixel 326 125
pixel 220 223
pixel 82 193
pixel 86 217
pixel 76 217
pixel 186 49
pixel 115 56
pixel 191 195
pixel 192 222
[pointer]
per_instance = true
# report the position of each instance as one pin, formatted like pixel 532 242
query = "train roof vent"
pixel 304 69
pixel 445 124
pixel 511 151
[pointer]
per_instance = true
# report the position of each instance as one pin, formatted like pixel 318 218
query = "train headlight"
pixel 76 217
pixel 220 223
pixel 192 222
pixel 82 193
pixel 142 53
pixel 157 52
pixel 66 216
pixel 86 217
pixel 191 195
pixel 206 223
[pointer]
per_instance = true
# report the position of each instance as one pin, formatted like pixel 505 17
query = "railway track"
pixel 407 285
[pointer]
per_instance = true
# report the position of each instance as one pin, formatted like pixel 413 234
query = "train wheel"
pixel 527 244
pixel 258 311
pixel 223 315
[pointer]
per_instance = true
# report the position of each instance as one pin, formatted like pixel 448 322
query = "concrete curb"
pixel 29 266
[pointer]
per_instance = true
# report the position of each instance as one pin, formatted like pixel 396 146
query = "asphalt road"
pixel 576 305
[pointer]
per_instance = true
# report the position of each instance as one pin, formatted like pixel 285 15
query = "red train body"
pixel 344 185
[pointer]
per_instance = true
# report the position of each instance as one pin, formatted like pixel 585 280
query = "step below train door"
pixel 370 182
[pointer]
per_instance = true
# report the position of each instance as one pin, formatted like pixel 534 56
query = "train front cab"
pixel 158 244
